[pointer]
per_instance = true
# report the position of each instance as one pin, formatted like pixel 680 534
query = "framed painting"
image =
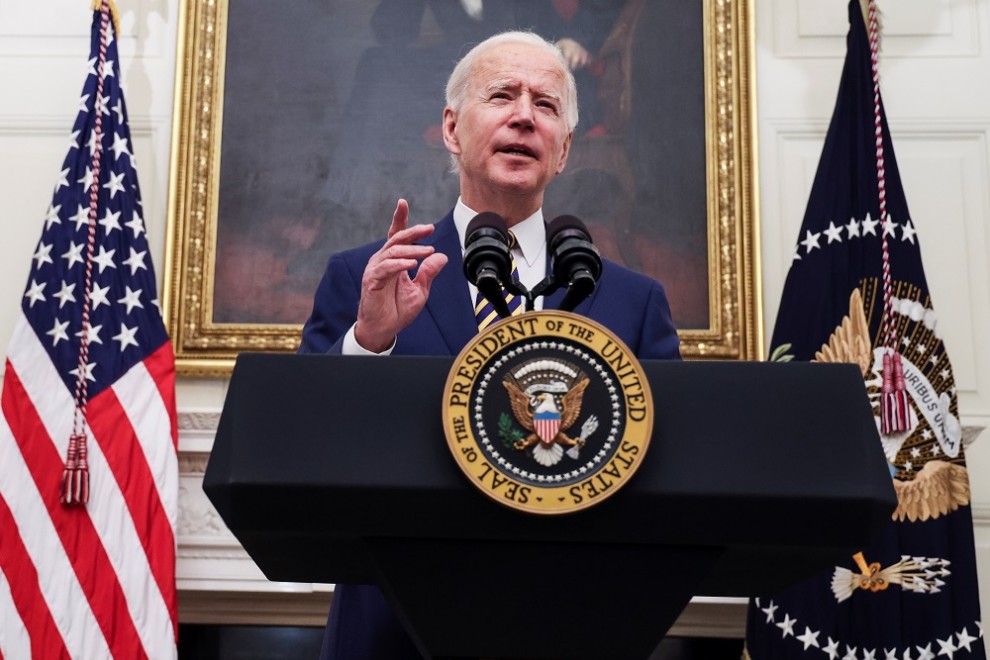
pixel 298 126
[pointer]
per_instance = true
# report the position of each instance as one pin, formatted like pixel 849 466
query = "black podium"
pixel 335 469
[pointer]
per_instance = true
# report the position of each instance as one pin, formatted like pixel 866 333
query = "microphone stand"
pixel 544 288
pixel 577 290
pixel 516 287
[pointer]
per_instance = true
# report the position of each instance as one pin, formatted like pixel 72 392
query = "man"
pixel 510 116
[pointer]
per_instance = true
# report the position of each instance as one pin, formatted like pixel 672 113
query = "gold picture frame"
pixel 206 347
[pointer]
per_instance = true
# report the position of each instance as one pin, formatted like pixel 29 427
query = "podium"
pixel 335 469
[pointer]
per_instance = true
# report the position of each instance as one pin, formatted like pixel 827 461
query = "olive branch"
pixel 508 431
pixel 780 354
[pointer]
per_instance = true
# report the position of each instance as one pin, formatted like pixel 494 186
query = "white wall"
pixel 44 48
pixel 934 78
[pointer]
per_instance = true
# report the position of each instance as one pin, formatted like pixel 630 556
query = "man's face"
pixel 510 135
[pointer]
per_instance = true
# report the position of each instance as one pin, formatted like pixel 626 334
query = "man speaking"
pixel 508 125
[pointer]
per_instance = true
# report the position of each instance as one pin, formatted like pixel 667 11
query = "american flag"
pixel 93 579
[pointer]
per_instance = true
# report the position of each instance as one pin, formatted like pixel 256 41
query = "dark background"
pixel 332 111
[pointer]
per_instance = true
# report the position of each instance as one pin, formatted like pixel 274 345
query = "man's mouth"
pixel 518 150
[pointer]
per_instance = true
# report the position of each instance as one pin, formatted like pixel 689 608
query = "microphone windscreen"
pixel 487 220
pixel 561 224
pixel 486 253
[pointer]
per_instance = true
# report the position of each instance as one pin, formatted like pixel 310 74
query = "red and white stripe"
pixel 95 581
pixel 889 328
pixel 546 429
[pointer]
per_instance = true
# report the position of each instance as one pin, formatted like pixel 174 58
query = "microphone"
pixel 487 261
pixel 575 259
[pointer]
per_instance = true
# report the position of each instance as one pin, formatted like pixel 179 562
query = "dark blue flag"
pixel 913 594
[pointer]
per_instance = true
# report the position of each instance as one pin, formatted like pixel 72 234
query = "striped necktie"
pixel 484 311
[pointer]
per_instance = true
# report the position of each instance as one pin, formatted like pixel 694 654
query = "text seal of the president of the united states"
pixel 547 412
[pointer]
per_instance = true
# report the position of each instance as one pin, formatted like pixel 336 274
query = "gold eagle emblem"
pixel 554 400
pixel 939 487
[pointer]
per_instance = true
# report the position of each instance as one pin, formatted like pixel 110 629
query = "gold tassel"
pixel 95 5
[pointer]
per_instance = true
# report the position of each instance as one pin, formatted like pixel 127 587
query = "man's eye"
pixel 548 105
pixel 500 95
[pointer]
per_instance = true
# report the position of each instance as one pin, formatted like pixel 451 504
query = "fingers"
pixel 403 251
pixel 408 236
pixel 386 265
pixel 392 260
pixel 400 251
pixel 390 298
pixel 400 231
pixel 400 218
pixel 428 270
pixel 383 274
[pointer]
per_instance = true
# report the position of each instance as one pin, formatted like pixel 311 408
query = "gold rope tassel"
pixel 75 476
pixel 95 6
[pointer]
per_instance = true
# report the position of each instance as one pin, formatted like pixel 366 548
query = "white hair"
pixel 460 77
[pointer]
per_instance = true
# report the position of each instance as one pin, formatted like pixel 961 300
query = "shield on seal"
pixel 547 425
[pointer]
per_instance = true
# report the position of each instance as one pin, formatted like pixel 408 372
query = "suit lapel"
pixel 449 303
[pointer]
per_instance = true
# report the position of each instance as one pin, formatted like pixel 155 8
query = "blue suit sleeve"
pixel 659 340
pixel 334 307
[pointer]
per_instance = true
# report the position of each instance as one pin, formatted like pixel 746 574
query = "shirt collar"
pixel 531 233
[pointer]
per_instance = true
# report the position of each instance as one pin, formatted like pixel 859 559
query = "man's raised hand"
pixel 390 298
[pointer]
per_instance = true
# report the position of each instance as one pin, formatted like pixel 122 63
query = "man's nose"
pixel 523 112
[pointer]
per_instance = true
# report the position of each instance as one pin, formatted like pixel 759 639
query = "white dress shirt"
pixel 530 251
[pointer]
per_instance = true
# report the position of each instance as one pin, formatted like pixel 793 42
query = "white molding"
pixel 61 124
pixel 33 29
pixel 912 29
pixel 197 430
pixel 199 420
pixel 237 608
pixel 965 126
pixel 703 617
pixel 712 617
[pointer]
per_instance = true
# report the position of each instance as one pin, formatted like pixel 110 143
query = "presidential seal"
pixel 547 412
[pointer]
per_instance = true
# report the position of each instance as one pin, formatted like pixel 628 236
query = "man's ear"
pixel 450 131
pixel 564 153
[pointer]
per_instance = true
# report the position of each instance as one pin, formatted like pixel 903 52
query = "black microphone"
pixel 575 260
pixel 487 261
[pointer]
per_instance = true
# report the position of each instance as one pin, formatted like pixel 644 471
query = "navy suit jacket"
pixel 361 624
pixel 631 305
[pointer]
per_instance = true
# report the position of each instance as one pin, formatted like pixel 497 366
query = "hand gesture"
pixel 390 298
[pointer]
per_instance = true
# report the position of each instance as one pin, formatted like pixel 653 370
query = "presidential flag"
pixel 856 292
pixel 88 460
